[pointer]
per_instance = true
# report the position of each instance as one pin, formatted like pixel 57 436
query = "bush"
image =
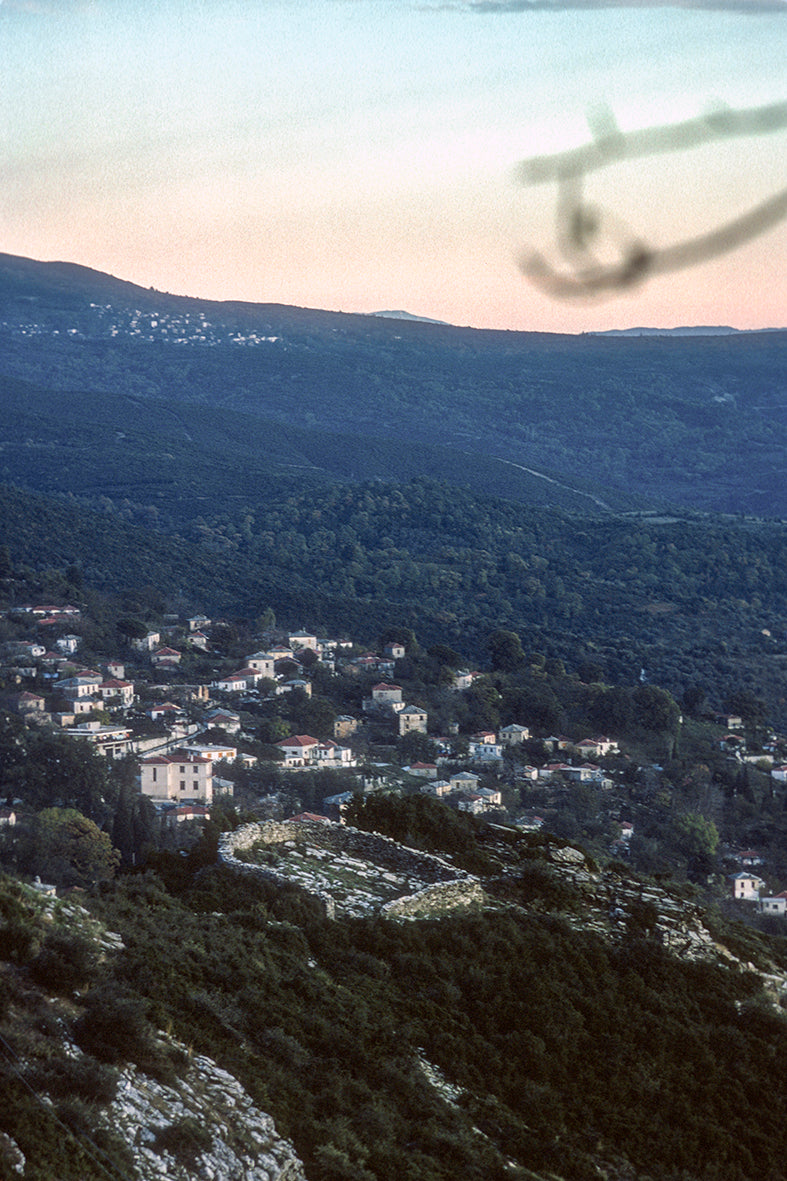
pixel 186 1140
pixel 77 1078
pixel 65 962
pixel 114 1026
pixel 18 942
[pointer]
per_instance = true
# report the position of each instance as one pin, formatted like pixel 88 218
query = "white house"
pixel 165 657
pixel 297 750
pixel 597 747
pixel 166 712
pixel 552 769
pixel 225 719
pixel 177 776
pixel 587 773
pixel 83 684
pixel 484 751
pixel 301 750
pixel 212 751
pixel 775 904
pixel 67 644
pixel 302 639
pixel 746 886
pixel 295 683
pixel 237 682
pixel 472 803
pixel 147 643
pixel 117 692
pixel 330 754
pixel 112 741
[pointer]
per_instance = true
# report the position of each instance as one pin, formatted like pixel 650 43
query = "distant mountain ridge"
pixel 707 330
pixel 663 420
pixel 408 316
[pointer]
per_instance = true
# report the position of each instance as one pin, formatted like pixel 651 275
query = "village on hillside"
pixel 303 723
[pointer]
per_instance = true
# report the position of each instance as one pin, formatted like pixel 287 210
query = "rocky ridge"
pixel 202 1126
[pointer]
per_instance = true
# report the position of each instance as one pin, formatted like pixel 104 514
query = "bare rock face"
pixel 12 1161
pixel 203 1126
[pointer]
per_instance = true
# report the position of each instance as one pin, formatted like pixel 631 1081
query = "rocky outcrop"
pixel 202 1127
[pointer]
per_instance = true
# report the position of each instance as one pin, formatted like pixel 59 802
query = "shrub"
pixel 186 1140
pixel 18 942
pixel 78 1078
pixel 65 962
pixel 114 1026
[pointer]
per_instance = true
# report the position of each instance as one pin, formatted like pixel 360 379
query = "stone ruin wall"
pixel 448 887
pixel 442 896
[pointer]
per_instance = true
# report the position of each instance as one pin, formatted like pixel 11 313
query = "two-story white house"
pixel 385 698
pixel 177 776
pixel 746 887
pixel 303 751
pixel 115 692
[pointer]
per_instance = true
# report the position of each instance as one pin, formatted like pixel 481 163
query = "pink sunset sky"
pixel 362 155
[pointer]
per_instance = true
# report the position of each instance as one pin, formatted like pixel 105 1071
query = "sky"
pixel 367 155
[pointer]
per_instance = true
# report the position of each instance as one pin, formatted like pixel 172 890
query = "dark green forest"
pixel 616 422
pixel 686 599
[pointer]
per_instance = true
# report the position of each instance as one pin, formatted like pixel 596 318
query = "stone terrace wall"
pixel 449 882
pixel 443 896
pixel 340 838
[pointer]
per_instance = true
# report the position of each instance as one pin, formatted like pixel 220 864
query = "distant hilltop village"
pixel 106 321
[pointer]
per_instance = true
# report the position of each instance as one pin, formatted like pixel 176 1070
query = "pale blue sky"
pixel 360 154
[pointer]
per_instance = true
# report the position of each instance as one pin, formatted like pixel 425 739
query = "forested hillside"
pixel 632 421
pixel 687 600
pixel 532 506
pixel 361 471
